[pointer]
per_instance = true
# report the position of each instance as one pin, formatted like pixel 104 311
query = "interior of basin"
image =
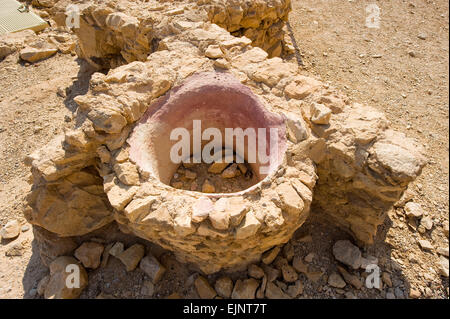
pixel 208 110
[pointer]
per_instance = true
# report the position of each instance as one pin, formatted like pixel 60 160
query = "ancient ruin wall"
pixel 113 33
pixel 339 156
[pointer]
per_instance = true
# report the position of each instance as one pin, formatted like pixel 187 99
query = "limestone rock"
pixel 289 273
pixel 255 271
pixel 248 227
pixel 231 171
pixel 10 230
pixel 320 114
pixel 275 292
pixel 214 52
pixel 349 278
pixel 64 282
pixel 117 249
pixel 152 267
pixel 425 244
pixel 204 289
pixel 132 256
pixel 347 253
pixel 269 256
pixel 245 289
pixel 336 281
pixel 224 287
pixel 37 52
pixel 220 219
pixel 295 290
pixel 413 209
pixel 89 253
pixel 208 187
pixel 201 209
pixel 217 167
pixel 443 266
pixel 299 265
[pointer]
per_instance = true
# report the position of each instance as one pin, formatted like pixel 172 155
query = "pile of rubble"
pixel 218 177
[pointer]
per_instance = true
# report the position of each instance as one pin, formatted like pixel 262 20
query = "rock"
pixel 243 168
pixel 443 251
pixel 204 290
pixel 231 171
pixel 245 289
pixel 269 256
pixel 299 265
pixel 301 87
pixel 127 173
pixel 310 257
pixel 413 210
pixel 224 287
pixel 296 289
pixel 275 292
pixel 288 252
pixel 425 244
pixel 291 202
pixel 190 174
pixel 347 253
pixel 443 266
pixel 350 295
pixel 116 249
pixel 398 292
pixel 272 273
pixel 296 128
pixel 353 280
pixel 148 288
pixel 248 227
pixel 10 230
pixel 217 167
pixel 422 36
pixel 445 228
pixel 214 52
pixel 426 222
pixel 414 293
pixel 208 187
pixel 390 295
pixel 386 277
pixel 336 281
pixel 42 285
pixel 289 273
pixel 89 253
pixel 255 271
pixel 152 267
pixel 24 228
pixel 39 51
pixel 132 256
pixel 15 250
pixel 64 270
pixel 281 284
pixel 201 209
pixel 220 219
pixel 320 114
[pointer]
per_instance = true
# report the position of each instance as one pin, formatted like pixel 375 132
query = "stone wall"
pixel 86 178
pixel 114 33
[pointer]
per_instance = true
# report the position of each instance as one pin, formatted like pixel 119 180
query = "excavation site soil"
pixel 400 69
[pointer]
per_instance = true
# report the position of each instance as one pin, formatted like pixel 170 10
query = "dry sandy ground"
pixel 400 68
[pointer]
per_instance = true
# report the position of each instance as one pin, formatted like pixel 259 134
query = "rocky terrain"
pixel 411 247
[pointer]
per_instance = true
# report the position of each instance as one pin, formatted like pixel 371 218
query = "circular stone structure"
pixel 234 228
pixel 216 102
pixel 115 165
